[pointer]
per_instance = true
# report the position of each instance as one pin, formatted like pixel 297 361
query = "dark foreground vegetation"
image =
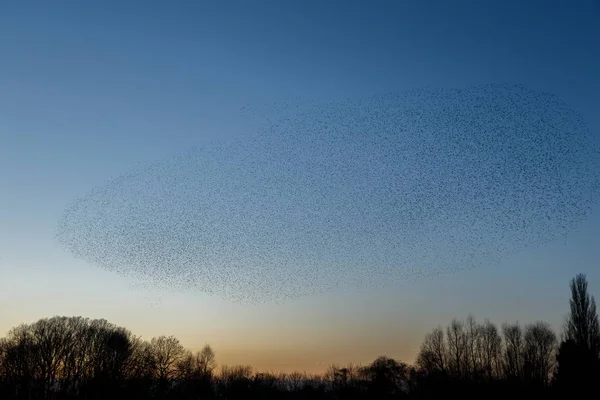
pixel 78 358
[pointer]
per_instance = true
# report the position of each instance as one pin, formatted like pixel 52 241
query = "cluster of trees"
pixel 77 358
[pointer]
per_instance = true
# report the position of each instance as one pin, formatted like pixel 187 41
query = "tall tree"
pixel 578 357
pixel 538 353
pixel 582 326
pixel 433 355
pixel 457 340
pixel 489 348
pixel 166 352
pixel 206 361
pixel 513 351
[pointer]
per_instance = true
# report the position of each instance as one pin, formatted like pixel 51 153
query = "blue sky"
pixel 89 91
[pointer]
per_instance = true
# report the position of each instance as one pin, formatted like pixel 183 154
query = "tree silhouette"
pixel 539 352
pixel 206 361
pixel 433 355
pixel 578 357
pixel 73 358
pixel 582 325
pixel 490 350
pixel 387 377
pixel 512 362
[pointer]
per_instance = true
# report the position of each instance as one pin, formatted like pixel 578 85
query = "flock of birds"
pixel 393 187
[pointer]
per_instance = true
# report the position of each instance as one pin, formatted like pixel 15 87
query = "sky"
pixel 91 90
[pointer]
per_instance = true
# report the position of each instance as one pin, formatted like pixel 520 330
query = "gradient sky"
pixel 89 90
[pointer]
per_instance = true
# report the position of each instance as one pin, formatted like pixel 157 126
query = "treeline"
pixel 78 358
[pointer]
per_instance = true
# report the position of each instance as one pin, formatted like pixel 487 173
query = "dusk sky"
pixel 91 90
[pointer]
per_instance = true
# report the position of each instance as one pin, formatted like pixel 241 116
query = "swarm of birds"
pixel 394 187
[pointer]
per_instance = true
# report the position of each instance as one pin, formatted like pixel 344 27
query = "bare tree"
pixel 343 377
pixel 433 354
pixel 539 353
pixel 513 351
pixel 75 364
pixel 269 381
pixel 196 366
pixel 471 350
pixel 206 361
pixel 141 362
pixel 51 339
pixel 489 349
pixel 165 352
pixel 471 362
pixel 456 338
pixel 236 377
pixel 387 376
pixel 295 380
pixel 20 360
